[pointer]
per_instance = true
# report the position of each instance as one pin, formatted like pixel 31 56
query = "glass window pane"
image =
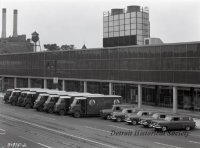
pixel 121 33
pixel 122 22
pixel 127 27
pixel 121 27
pixel 110 34
pixel 116 34
pixel 127 32
pixel 105 35
pixel 111 18
pixel 139 20
pixel 105 29
pixel 133 14
pixel 110 29
pixel 133 26
pixel 139 14
pixel 111 23
pixel 127 21
pixel 121 16
pixel 127 15
pixel 139 32
pixel 105 24
pixel 116 17
pixel 116 23
pixel 133 32
pixel 105 18
pixel 139 26
pixel 116 28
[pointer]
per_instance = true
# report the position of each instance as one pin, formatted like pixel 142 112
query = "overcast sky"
pixel 81 21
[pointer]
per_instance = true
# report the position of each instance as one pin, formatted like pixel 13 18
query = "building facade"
pixel 122 28
pixel 166 75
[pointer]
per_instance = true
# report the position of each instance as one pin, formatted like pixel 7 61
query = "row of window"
pixel 126 15
pixel 126 33
pixel 126 27
pixel 127 21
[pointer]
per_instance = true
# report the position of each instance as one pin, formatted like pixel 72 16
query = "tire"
pixel 134 122
pixel 40 108
pixel 108 117
pixel 187 128
pixel 164 129
pixel 13 103
pixel 50 110
pixel 62 112
pixel 118 119
pixel 77 114
pixel 28 106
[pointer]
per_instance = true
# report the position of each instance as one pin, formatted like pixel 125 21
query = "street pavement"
pixel 31 129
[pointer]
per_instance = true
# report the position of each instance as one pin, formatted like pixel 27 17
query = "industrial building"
pixel 126 27
pixel 166 75
pixel 15 43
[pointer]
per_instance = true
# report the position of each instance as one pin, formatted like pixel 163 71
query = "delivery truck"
pixel 7 95
pixel 64 102
pixel 39 102
pixel 91 105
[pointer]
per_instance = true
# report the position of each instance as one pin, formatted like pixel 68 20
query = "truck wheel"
pixel 13 103
pixel 40 108
pixel 27 106
pixel 77 114
pixel 118 119
pixel 134 122
pixel 164 129
pixel 62 112
pixel 108 117
pixel 187 128
pixel 50 110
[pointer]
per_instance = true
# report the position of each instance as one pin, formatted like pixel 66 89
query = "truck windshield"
pixel 76 101
pixel 124 110
pixel 139 113
pixel 155 116
pixel 60 100
pixel 168 118
pixel 15 93
pixel 23 94
pixel 8 92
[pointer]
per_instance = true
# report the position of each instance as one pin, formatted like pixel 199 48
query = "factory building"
pixel 126 27
pixel 15 43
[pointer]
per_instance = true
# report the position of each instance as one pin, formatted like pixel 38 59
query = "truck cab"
pixel 7 95
pixel 21 98
pixel 49 104
pixel 14 97
pixel 39 102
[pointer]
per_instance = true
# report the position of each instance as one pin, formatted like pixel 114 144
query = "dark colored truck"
pixel 7 95
pixel 106 113
pixel 21 98
pixel 49 104
pixel 64 102
pixel 14 97
pixel 39 102
pixel 31 97
pixel 91 105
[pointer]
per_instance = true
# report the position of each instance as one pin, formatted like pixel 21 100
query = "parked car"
pixel 120 116
pixel 175 122
pixel 7 95
pixel 134 119
pixel 147 121
pixel 106 113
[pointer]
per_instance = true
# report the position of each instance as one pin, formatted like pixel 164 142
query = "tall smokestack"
pixel 15 24
pixel 3 35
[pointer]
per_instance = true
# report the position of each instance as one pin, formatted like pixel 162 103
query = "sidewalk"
pixel 194 114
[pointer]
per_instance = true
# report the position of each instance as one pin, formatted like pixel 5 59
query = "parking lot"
pixel 29 128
